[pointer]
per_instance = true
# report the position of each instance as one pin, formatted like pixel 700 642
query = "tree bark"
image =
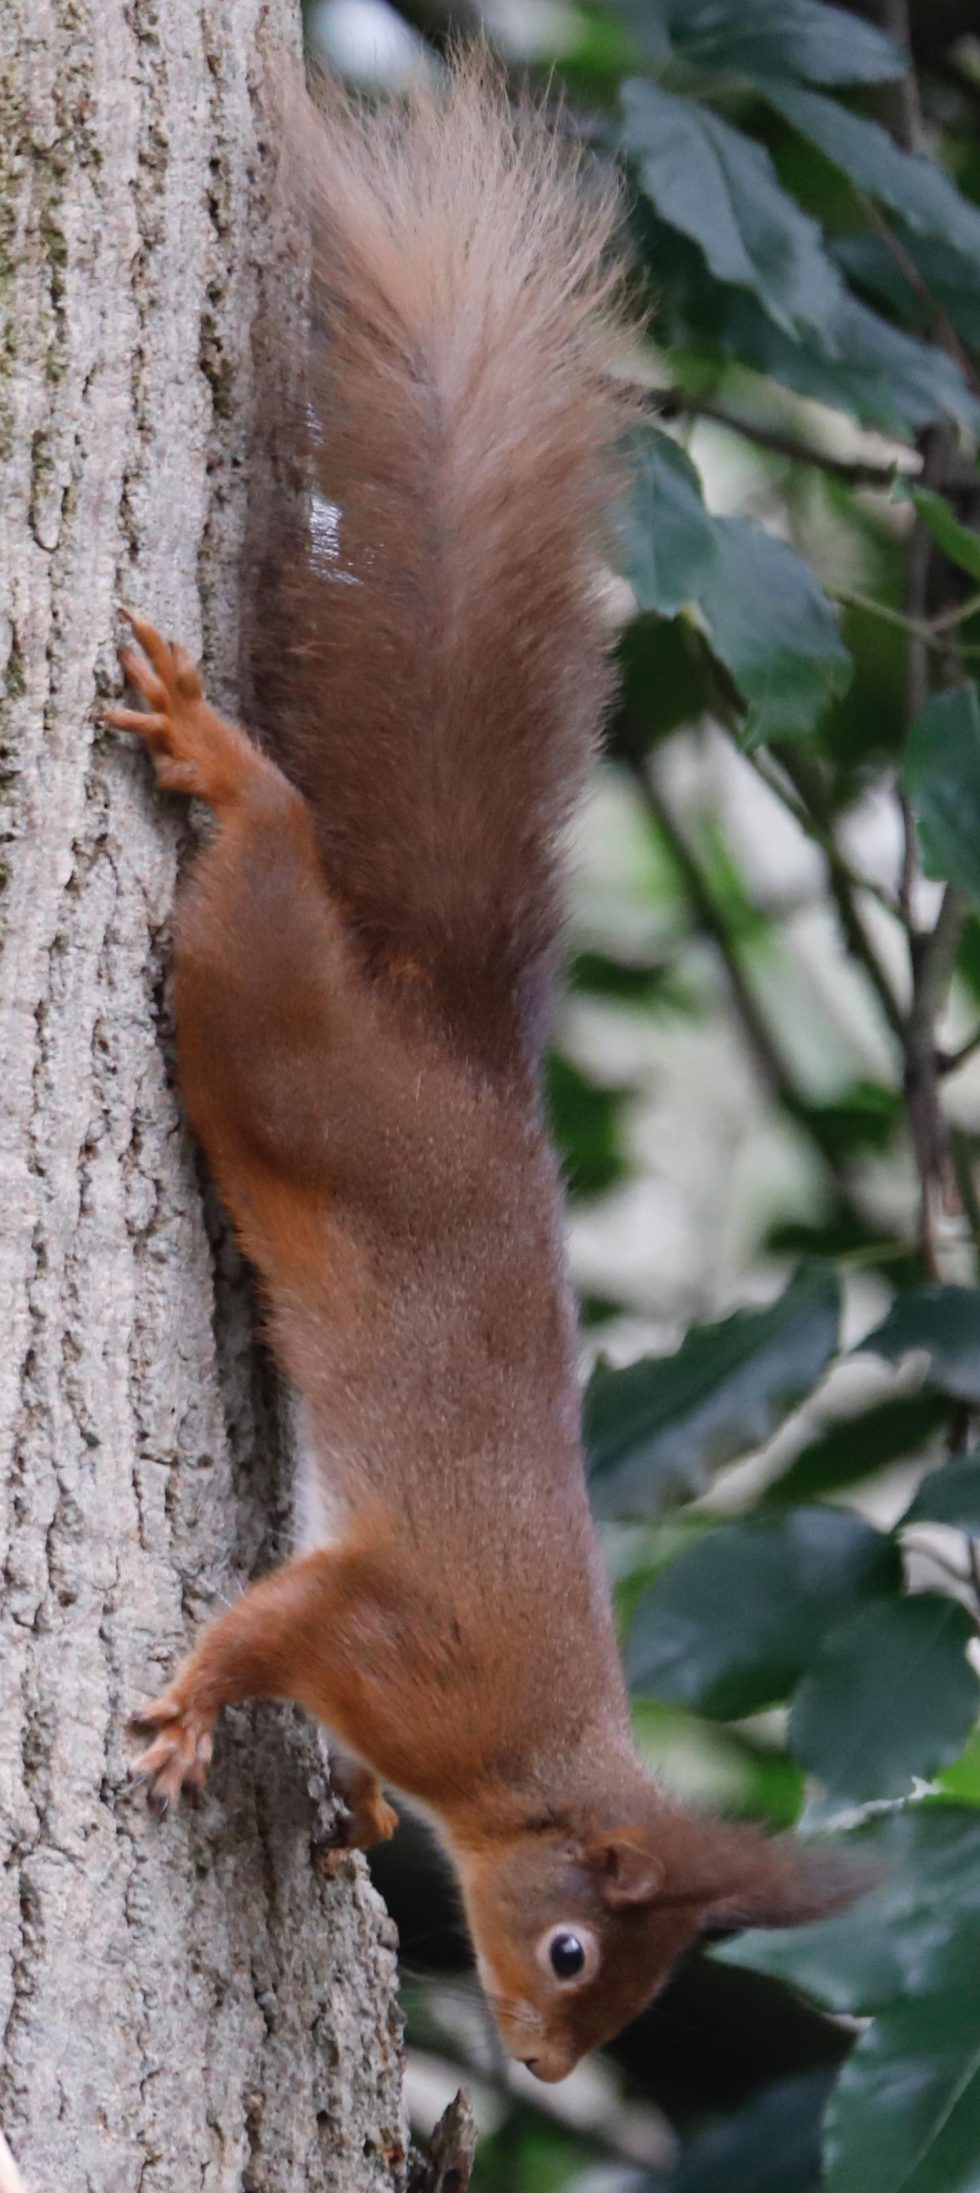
pixel 198 2005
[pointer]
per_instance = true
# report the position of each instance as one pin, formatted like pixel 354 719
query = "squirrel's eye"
pixel 567 1956
pixel 569 1953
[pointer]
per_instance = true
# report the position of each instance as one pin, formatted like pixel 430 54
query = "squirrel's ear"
pixel 740 1877
pixel 628 1871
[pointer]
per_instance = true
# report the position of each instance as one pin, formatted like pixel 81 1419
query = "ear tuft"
pixel 629 1872
pixel 741 1877
pixel 790 1884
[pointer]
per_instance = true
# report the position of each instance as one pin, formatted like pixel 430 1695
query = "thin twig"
pixel 962 1157
pixel 926 631
pixel 772 1068
pixel 767 767
pixel 856 471
pixel 956 614
pixel 843 885
pixel 949 1062
pixel 942 326
pixel 933 954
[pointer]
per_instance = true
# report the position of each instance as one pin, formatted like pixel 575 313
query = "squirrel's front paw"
pixel 194 750
pixel 180 1754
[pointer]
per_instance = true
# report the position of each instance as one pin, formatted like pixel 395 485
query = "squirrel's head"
pixel 575 1930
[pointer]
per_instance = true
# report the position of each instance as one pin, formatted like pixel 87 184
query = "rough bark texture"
pixel 194 2006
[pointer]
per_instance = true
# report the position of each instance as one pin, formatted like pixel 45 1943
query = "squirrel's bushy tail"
pixel 443 645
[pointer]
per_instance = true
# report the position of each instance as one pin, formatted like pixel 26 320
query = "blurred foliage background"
pixel 766 1078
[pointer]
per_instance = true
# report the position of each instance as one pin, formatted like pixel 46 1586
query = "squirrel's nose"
pixel 548 2068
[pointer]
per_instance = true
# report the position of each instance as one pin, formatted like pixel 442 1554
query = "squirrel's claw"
pixel 179 1756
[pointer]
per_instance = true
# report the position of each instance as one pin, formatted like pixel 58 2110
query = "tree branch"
pixel 448 2166
pixel 856 471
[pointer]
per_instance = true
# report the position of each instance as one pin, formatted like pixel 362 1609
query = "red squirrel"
pixel 364 966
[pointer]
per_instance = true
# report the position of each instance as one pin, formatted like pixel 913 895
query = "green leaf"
pixel 644 981
pixel 962 1779
pixel 863 1959
pixel 717 1767
pixel 770 2145
pixel 950 1495
pixel 914 187
pixel 945 1322
pixel 662 1425
pixel 951 278
pixel 669 537
pixel 720 188
pixel 941 777
pixel 822 44
pixel 856 362
pixel 791 663
pixel 585 1123
pixel 730 1625
pixel 905 2115
pixel 864 1117
pixel 889 1695
pixel 788 666
pixel 854 1448
pixel 960 545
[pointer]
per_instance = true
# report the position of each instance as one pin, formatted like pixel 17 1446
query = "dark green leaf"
pixel 945 1322
pixel 791 663
pixel 730 1625
pixel 949 277
pixel 853 1449
pixel 807 38
pixel 863 1117
pixel 889 1695
pixel 913 186
pixel 585 1123
pixel 664 1424
pixel 905 2116
pixel 719 187
pixel 669 537
pixel 950 1495
pixel 960 545
pixel 639 982
pixel 788 665
pixel 770 2145
pixel 668 676
pixel 863 1959
pixel 941 776
pixel 856 362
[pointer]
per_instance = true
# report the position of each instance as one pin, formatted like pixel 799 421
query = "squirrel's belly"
pixel 320 1512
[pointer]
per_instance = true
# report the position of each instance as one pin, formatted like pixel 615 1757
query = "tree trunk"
pixel 199 2004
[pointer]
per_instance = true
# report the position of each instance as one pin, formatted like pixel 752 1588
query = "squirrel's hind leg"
pixel 370 1818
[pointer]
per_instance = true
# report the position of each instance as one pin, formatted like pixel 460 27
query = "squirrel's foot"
pixel 179 1756
pixel 367 1816
pixel 194 750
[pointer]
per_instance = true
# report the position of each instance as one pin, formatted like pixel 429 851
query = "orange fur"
pixel 362 978
pixel 441 711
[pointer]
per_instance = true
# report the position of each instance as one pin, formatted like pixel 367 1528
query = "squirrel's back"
pixel 440 654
